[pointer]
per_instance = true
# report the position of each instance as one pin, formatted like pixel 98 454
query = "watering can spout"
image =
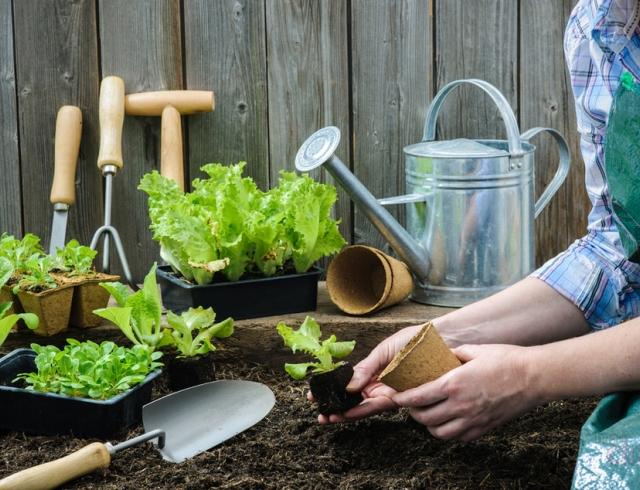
pixel 318 150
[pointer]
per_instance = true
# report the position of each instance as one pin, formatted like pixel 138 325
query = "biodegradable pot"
pixel 52 307
pixel 329 390
pixel 88 296
pixel 46 413
pixel 184 372
pixel 362 279
pixel 250 298
pixel 426 357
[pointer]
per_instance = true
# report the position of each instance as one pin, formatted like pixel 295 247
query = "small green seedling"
pixel 35 274
pixel 19 252
pixel 307 339
pixel 75 259
pixel 139 314
pixel 7 322
pixel 89 370
pixel 198 322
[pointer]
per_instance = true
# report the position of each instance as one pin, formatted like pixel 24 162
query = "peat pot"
pixel 47 413
pixel 52 307
pixel 249 298
pixel 469 205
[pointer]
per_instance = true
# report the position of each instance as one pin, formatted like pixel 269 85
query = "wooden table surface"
pixel 256 340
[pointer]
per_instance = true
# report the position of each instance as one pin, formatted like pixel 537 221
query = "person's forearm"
pixel 595 364
pixel 527 313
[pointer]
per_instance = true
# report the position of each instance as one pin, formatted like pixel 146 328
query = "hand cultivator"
pixel 111 108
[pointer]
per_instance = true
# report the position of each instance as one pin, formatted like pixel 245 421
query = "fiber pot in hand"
pixel 425 358
pixel 363 279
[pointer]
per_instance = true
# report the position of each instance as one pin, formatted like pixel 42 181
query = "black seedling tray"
pixel 52 414
pixel 249 298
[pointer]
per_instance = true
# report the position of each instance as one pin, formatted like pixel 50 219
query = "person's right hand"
pixel 377 396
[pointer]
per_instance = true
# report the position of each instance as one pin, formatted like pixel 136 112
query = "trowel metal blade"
pixel 58 230
pixel 198 418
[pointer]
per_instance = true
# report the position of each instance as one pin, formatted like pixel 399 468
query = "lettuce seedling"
pixel 138 314
pixel 21 252
pixel 75 259
pixel 198 322
pixel 89 370
pixel 35 274
pixel 7 322
pixel 307 339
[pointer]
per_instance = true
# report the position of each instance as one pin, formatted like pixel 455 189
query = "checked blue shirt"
pixel 602 41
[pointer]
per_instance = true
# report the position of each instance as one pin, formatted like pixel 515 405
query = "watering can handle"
pixel 563 166
pixel 513 133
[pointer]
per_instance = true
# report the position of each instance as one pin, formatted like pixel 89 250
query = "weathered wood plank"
pixel 10 192
pixel 308 77
pixel 141 43
pixel 546 100
pixel 225 52
pixel 476 39
pixel 56 64
pixel 392 86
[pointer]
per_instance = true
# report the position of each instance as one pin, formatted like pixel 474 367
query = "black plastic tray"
pixel 51 414
pixel 249 298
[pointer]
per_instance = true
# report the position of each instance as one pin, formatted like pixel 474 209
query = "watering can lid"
pixel 458 148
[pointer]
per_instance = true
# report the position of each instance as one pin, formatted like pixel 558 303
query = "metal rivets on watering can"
pixel 318 148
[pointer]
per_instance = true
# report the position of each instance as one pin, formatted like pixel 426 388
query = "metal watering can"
pixel 470 208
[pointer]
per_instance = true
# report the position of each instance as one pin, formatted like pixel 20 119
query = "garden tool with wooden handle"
pixel 111 114
pixel 170 104
pixel 184 423
pixel 63 191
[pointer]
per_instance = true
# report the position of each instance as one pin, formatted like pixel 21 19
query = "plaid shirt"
pixel 602 41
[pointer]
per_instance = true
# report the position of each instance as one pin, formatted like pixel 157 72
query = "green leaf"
pixel 120 316
pixel 119 291
pixel 298 371
pixel 6 270
pixel 341 349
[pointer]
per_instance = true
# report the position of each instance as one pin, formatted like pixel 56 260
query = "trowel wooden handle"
pixel 185 101
pixel 67 147
pixel 55 473
pixel 111 112
pixel 171 164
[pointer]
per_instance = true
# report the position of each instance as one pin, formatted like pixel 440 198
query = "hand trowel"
pixel 63 192
pixel 182 424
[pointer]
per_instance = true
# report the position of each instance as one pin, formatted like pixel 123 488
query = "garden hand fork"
pixel 111 112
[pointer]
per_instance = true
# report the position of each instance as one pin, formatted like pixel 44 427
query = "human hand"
pixel 492 387
pixel 377 396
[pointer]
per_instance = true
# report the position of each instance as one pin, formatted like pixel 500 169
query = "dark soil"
pixel 329 390
pixel 290 450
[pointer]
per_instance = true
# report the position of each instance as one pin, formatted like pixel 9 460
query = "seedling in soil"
pixel 329 378
pixel 191 334
pixel 89 370
pixel 36 275
pixel 138 314
pixel 8 321
pixel 75 259
pixel 19 252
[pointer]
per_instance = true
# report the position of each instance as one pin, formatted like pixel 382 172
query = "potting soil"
pixel 290 450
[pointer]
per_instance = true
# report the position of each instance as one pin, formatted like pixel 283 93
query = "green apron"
pixel 622 163
pixel 609 455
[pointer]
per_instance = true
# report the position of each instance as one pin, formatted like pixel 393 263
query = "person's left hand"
pixel 492 387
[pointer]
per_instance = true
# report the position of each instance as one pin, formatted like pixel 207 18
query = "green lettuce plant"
pixel 139 314
pixel 21 253
pixel 228 226
pixel 89 370
pixel 75 259
pixel 36 274
pixel 307 339
pixel 192 331
pixel 8 321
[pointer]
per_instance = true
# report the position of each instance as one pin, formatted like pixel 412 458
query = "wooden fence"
pixel 280 69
